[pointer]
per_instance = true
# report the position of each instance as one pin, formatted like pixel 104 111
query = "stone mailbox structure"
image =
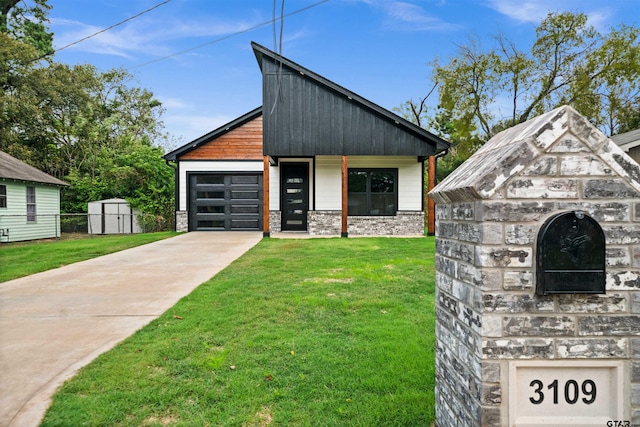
pixel 527 336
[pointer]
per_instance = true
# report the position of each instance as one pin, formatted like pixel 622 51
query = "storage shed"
pixel 113 216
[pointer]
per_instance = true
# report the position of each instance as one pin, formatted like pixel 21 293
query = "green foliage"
pixel 335 332
pixel 95 130
pixel 27 21
pixel 569 63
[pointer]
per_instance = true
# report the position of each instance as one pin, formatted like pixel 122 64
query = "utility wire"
pixel 279 50
pixel 273 20
pixel 281 26
pixel 113 26
pixel 99 32
pixel 262 24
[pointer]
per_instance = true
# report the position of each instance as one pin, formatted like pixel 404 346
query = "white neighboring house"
pixel 29 201
pixel 630 143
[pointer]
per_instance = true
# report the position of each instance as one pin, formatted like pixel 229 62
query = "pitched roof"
pixel 627 140
pixel 12 168
pixel 322 115
pixel 515 150
pixel 245 118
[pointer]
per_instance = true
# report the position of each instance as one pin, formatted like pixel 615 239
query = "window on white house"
pixel 31 204
pixel 3 196
pixel 373 192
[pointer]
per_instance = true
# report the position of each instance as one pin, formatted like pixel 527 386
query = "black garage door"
pixel 225 202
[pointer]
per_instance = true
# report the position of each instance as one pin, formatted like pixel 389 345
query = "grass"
pixel 22 259
pixel 322 332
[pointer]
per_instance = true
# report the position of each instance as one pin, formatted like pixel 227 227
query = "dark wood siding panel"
pixel 242 143
pixel 382 144
pixel 311 119
pixel 297 114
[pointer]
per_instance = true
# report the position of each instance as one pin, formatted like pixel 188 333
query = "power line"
pixel 228 36
pixel 113 26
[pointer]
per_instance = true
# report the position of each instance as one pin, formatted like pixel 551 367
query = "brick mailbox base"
pixel 507 355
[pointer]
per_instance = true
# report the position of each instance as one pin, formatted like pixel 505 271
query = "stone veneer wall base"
pixel 182 221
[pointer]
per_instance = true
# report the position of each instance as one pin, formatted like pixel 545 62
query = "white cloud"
pixel 534 11
pixel 174 103
pixel 143 36
pixel 408 16
pixel 522 11
pixel 415 16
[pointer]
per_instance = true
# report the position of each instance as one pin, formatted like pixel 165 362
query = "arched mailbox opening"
pixel 571 255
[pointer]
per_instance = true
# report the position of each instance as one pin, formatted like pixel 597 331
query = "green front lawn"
pixel 25 258
pixel 321 332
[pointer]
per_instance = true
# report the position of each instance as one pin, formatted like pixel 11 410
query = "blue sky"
pixel 380 49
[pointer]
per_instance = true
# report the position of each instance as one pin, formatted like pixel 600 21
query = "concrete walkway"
pixel 53 323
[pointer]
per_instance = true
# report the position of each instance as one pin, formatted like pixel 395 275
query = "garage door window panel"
pixel 211 209
pixel 249 179
pixel 245 209
pixel 210 179
pixel 210 194
pixel 212 224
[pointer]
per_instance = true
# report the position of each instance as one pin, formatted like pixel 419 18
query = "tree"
pixel 96 130
pixel 27 23
pixel 569 63
pixel 15 66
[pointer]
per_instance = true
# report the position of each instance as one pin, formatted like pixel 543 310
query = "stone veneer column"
pixel 182 221
pixel 489 214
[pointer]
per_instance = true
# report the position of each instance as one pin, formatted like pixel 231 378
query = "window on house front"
pixel 3 196
pixel 373 191
pixel 31 204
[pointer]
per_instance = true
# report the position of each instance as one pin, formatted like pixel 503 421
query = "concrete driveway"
pixel 53 323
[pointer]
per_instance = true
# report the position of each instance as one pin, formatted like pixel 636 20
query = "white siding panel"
pixel 409 177
pixel 211 166
pixel 274 188
pixel 328 183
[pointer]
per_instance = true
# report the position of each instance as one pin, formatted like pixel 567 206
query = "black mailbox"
pixel 571 255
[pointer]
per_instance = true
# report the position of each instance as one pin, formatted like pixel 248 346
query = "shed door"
pixel 225 202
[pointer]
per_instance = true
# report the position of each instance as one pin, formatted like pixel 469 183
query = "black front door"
pixel 294 196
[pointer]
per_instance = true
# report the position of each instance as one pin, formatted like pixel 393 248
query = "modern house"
pixel 29 201
pixel 315 158
pixel 629 142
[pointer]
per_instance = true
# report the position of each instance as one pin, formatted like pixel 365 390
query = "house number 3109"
pixel 572 391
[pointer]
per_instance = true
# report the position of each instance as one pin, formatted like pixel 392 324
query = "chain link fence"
pixel 15 228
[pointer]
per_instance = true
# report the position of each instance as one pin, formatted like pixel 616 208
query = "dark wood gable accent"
pixel 306 115
pixel 240 139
